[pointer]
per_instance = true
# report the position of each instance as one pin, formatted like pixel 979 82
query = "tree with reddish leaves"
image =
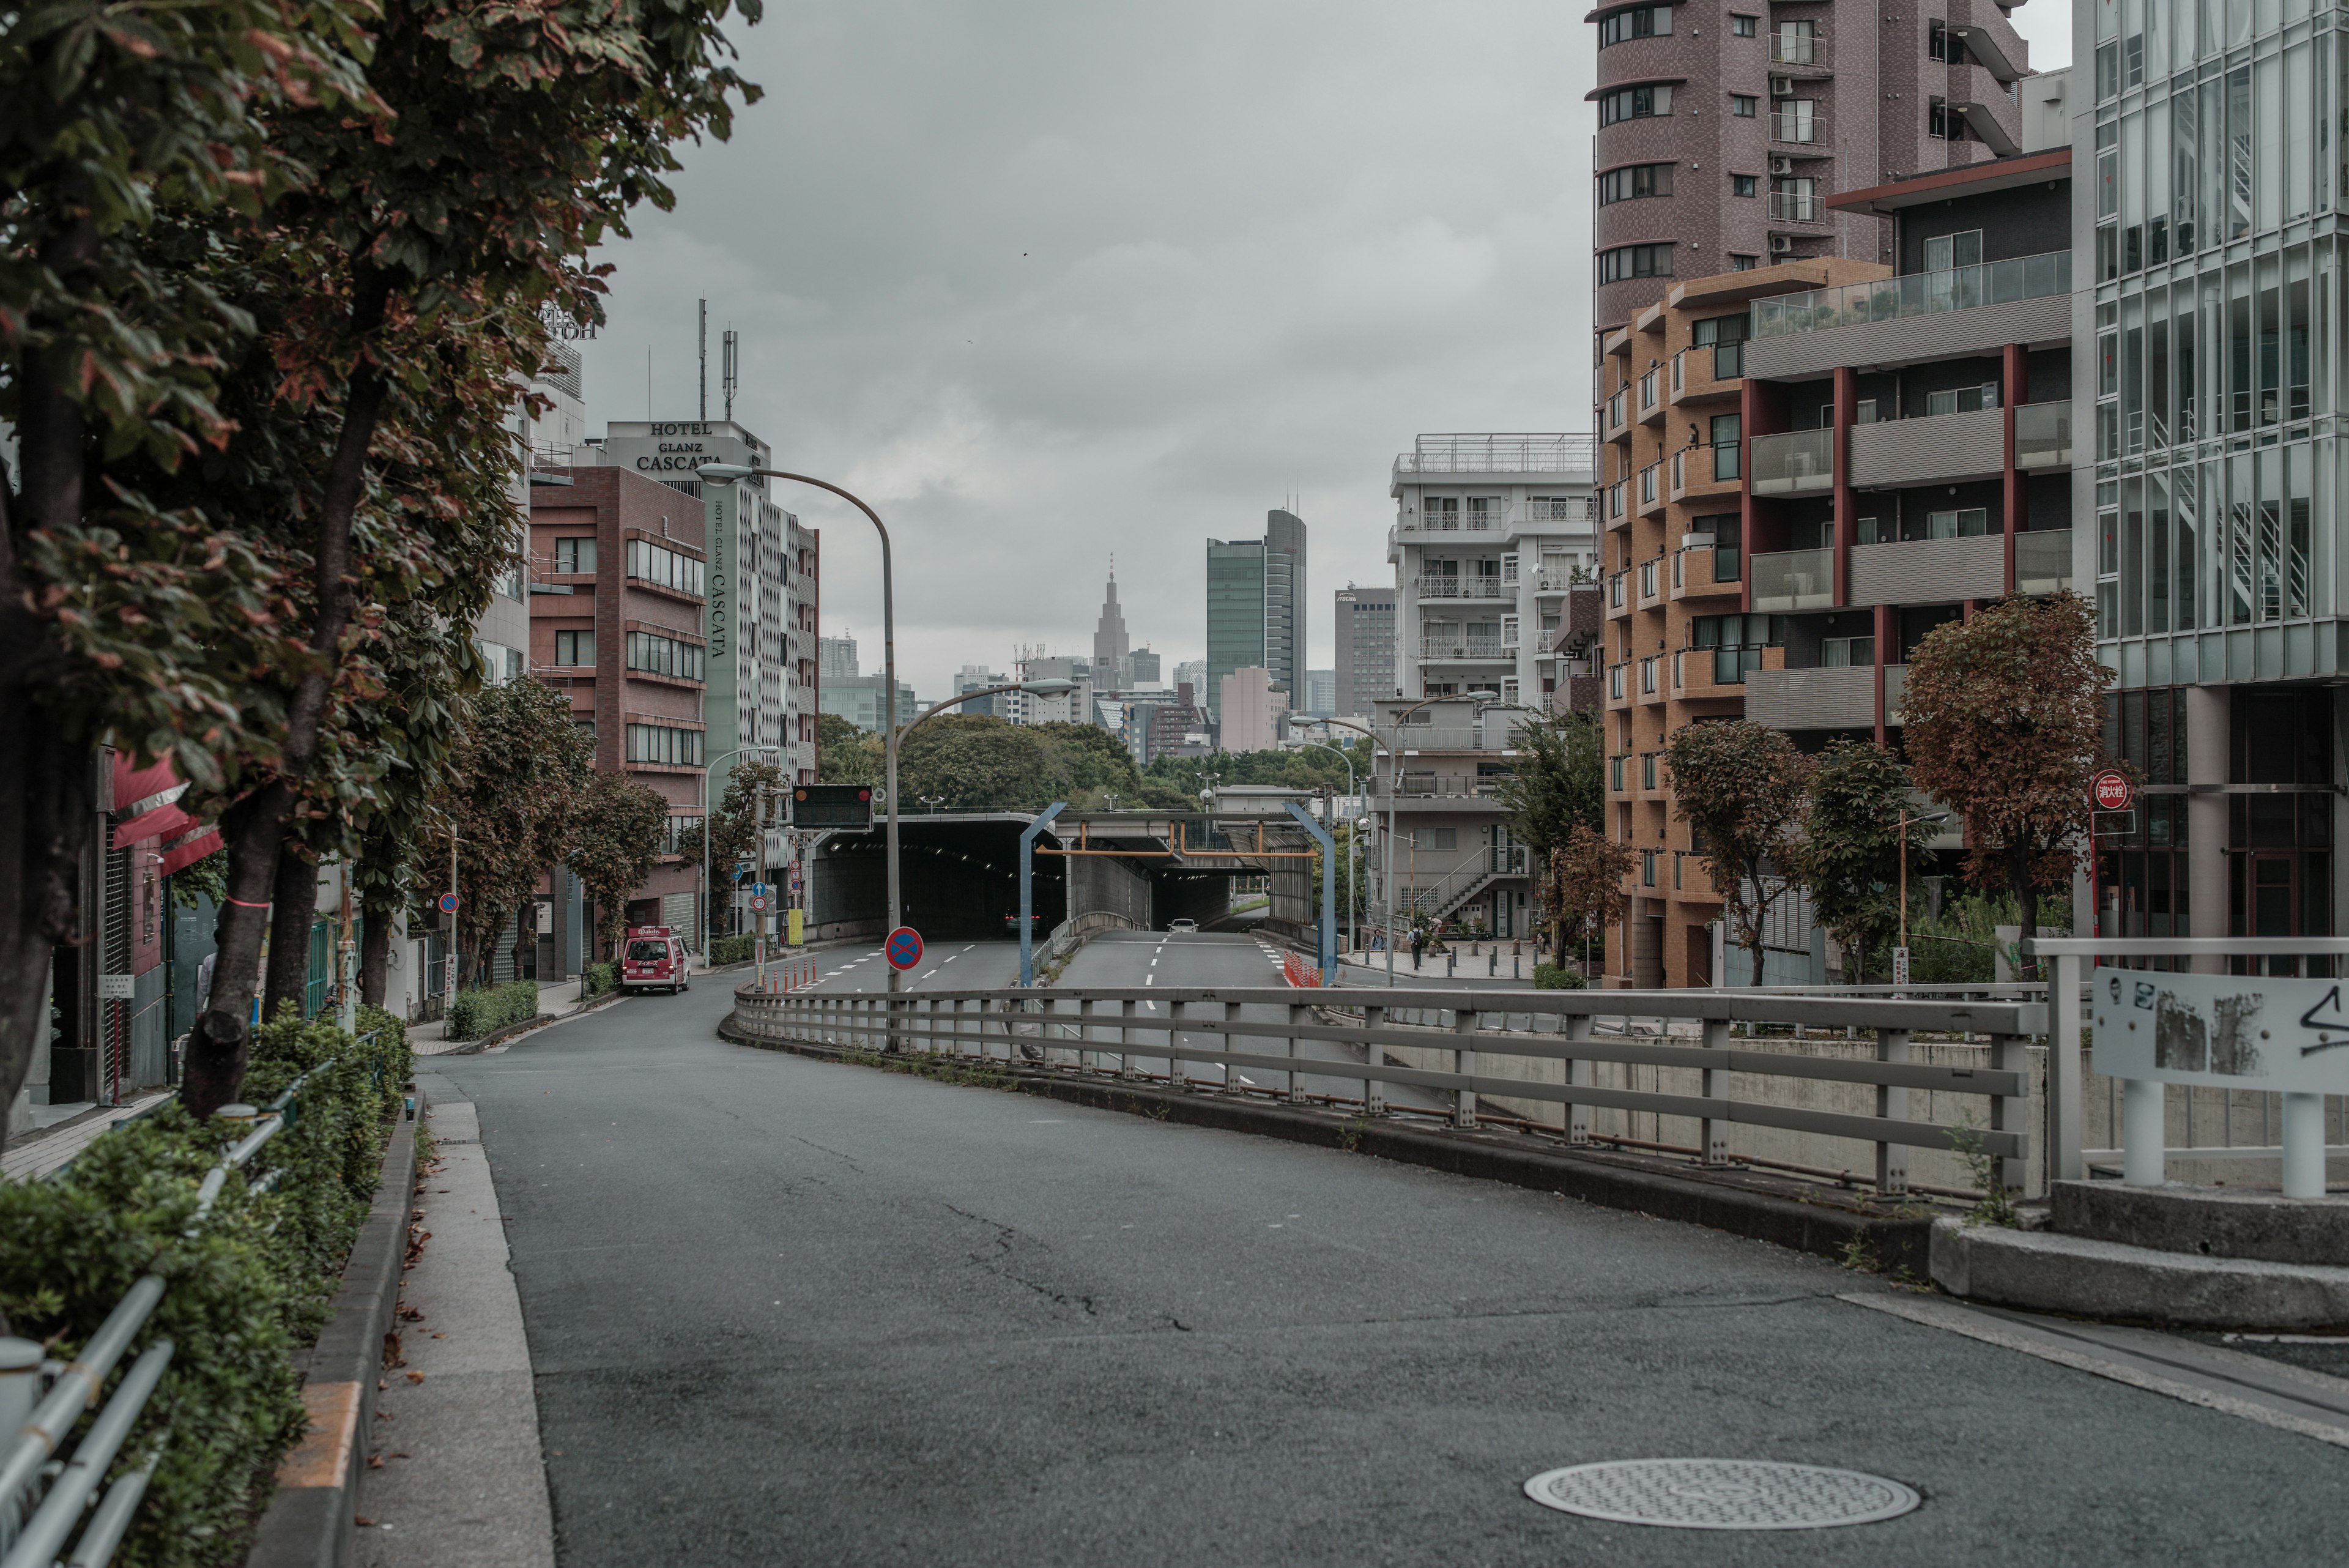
pixel 1740 787
pixel 2004 720
pixel 1586 885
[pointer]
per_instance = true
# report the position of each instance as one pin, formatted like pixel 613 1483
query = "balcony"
pixel 2043 435
pixel 1510 452
pixel 1797 207
pixel 1822 699
pixel 1800 126
pixel 1789 580
pixel 1615 595
pixel 1705 571
pixel 1893 321
pixel 1447 646
pixel 1415 521
pixel 1615 416
pixel 1933 448
pixel 1705 674
pixel 1652 489
pixel 1614 495
pixel 1468 587
pixel 1650 582
pixel 1707 371
pixel 1928 571
pixel 1559 580
pixel 1701 472
pixel 2043 561
pixel 1797 49
pixel 1800 462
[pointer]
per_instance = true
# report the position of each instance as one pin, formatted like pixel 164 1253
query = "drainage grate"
pixel 1720 1494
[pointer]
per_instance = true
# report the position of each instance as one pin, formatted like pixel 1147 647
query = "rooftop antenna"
pixel 730 368
pixel 705 360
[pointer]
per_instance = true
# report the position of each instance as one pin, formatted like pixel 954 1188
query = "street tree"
pixel 975 763
pixel 617 830
pixel 844 753
pixel 1585 893
pixel 1558 781
pixel 1092 763
pixel 1852 843
pixel 511 795
pixel 754 792
pixel 2004 720
pixel 1740 787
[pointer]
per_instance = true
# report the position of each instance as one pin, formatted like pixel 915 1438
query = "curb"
pixel 309 1520
pixel 524 1026
pixel 1643 1186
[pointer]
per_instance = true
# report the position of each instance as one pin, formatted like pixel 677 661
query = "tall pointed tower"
pixel 1110 646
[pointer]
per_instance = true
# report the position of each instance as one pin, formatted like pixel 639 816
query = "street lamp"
pixel 1353 927
pixel 709 814
pixel 1394 787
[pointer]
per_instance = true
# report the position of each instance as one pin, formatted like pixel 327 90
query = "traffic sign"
pixel 2112 790
pixel 757 903
pixel 757 890
pixel 832 805
pixel 448 903
pixel 904 947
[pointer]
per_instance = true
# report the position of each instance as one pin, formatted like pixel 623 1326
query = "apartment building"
pixel 1441 833
pixel 1850 464
pixel 617 623
pixel 2211 306
pixel 1724 127
pixel 1488 534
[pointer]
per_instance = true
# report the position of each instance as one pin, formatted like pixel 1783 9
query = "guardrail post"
pixel 1175 1043
pixel 1299 1013
pixel 1232 1085
pixel 1125 1040
pixel 1577 1074
pixel 2145 1132
pixel 1892 1104
pixel 1085 1030
pixel 2066 1094
pixel 1463 1062
pixel 1374 1104
pixel 1714 1136
pixel 2012 1113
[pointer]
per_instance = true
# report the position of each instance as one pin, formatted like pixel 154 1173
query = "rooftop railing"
pixel 1919 294
pixel 1501 453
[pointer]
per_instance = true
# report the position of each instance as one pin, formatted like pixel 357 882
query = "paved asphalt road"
pixel 791 1312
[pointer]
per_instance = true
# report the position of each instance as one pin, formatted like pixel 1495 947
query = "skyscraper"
pixel 1110 646
pixel 1364 632
pixel 1255 608
pixel 836 656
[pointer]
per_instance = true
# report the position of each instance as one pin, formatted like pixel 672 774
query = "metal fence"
pixel 43 1501
pixel 1535 1048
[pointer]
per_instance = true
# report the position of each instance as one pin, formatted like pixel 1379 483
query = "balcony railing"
pixel 1513 453
pixel 2043 435
pixel 1464 647
pixel 1648 483
pixel 1795 463
pixel 1919 294
pixel 1802 126
pixel 1797 207
pixel 2043 561
pixel 1472 587
pixel 1489 522
pixel 1797 49
pixel 1789 580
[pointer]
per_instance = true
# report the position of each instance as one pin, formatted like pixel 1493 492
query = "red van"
pixel 653 958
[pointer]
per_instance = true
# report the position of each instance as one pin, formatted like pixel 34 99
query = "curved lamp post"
pixel 708 815
pixel 1353 927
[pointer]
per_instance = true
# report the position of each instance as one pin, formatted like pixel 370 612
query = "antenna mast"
pixel 705 360
pixel 730 367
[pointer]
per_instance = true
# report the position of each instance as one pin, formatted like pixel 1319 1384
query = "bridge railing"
pixel 1447 1050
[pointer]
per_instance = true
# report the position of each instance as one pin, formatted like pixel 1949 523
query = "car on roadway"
pixel 1174 926
pixel 653 958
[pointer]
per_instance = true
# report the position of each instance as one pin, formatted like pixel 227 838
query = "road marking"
pixel 957 956
pixel 1150 979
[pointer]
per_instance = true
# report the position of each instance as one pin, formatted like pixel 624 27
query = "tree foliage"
pixel 511 796
pixel 1739 785
pixel 1559 781
pixel 617 827
pixel 1853 844
pixel 1585 892
pixel 844 753
pixel 754 791
pixel 2004 720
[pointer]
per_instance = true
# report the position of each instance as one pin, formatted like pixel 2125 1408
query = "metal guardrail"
pixel 36 1522
pixel 1100 1030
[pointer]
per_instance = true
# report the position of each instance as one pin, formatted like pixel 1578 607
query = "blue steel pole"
pixel 1028 892
pixel 1329 843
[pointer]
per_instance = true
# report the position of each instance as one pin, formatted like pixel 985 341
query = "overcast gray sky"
pixel 1046 282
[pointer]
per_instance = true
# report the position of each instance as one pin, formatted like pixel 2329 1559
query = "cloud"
pixel 1050 282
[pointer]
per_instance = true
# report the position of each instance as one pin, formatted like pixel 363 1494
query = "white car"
pixel 1175 926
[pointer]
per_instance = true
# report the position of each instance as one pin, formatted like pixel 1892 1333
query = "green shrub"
pixel 477 1012
pixel 245 1292
pixel 732 950
pixel 602 976
pixel 1551 977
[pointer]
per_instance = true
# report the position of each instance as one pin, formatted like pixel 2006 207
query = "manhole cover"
pixel 1720 1494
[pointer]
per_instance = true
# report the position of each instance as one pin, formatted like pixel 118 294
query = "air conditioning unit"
pixel 1782 87
pixel 1782 245
pixel 1782 165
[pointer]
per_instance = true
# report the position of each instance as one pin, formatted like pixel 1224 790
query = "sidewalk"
pixel 35 1154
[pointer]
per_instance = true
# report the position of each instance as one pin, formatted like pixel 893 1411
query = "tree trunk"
pixel 219 1046
pixel 293 909
pixel 525 930
pixel 2026 895
pixel 374 950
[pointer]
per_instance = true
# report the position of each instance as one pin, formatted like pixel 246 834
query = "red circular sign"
pixel 2112 791
pixel 904 947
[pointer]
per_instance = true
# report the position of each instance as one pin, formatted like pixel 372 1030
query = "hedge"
pixel 477 1012
pixel 1552 977
pixel 602 976
pixel 732 950
pixel 246 1291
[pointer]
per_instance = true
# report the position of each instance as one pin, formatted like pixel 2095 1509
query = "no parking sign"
pixel 904 947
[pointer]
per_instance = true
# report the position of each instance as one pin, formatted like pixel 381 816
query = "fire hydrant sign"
pixel 2112 790
pixel 2224 1030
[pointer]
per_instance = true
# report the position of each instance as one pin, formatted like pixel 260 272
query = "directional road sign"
pixel 904 947
pixel 448 903
pixel 757 890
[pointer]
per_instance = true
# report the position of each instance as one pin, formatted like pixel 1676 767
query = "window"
pixel 649 563
pixel 664 745
pixel 1962 399
pixel 1646 867
pixel 574 555
pixel 1937 39
pixel 1637 180
pixel 1943 252
pixel 1970 523
pixel 1741 27
pixel 1435 838
pixel 574 647
pixel 1937 117
pixel 515 665
pixel 1635 103
pixel 1635 261
pixel 1640 22
pixel 1744 185
pixel 1725 435
pixel 1846 652
pixel 1743 263
pixel 1741 104
pixel 1871 531
pixel 659 655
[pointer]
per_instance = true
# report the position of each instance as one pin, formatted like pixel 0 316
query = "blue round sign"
pixel 448 903
pixel 904 947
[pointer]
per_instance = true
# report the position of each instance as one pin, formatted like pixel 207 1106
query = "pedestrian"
pixel 1418 944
